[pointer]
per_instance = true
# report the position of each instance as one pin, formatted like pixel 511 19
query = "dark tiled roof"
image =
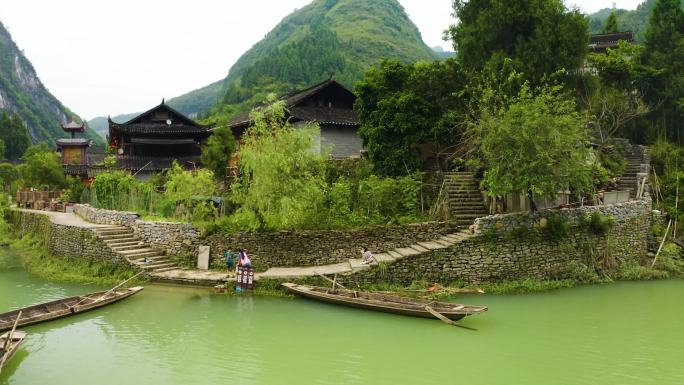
pixel 73 126
pixel 147 123
pixel 158 128
pixel 601 42
pixel 317 114
pixel 325 115
pixel 72 142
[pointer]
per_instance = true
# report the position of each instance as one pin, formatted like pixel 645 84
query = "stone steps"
pixel 125 243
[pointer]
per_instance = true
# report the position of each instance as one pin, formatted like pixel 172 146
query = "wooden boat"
pixel 9 344
pixel 65 307
pixel 386 303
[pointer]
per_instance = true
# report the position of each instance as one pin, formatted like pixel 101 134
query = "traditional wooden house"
pixel 151 141
pixel 74 151
pixel 330 105
pixel 604 41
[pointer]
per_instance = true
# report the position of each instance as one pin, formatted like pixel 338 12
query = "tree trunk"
pixel 530 196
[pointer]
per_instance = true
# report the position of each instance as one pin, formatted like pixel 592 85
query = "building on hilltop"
pixel 330 105
pixel 74 151
pixel 604 41
pixel 151 141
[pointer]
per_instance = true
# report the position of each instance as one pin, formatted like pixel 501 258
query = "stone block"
pixel 203 258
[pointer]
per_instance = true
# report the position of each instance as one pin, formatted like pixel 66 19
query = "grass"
pixel 37 261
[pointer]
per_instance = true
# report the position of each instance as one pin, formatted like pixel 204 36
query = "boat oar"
pixel 106 293
pixel 5 348
pixel 444 319
pixel 335 283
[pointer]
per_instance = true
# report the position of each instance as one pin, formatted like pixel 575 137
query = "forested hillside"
pixel 343 37
pixel 22 93
pixel 635 20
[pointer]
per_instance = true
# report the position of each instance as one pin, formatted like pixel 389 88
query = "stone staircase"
pixel 123 241
pixel 354 265
pixel 465 199
pixel 637 169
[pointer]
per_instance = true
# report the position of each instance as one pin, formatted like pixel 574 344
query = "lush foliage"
pixel 217 152
pixel 664 50
pixel 403 105
pixel 42 168
pixel 668 179
pixel 179 194
pixel 14 136
pixel 633 20
pixel 540 36
pixel 286 185
pixel 537 144
pixel 611 25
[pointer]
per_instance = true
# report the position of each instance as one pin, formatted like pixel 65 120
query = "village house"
pixel 331 106
pixel 153 140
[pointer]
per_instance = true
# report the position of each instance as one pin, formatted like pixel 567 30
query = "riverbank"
pixel 36 260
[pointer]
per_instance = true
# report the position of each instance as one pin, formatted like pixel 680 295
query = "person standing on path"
pixel 230 261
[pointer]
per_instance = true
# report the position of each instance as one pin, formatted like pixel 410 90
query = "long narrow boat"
pixel 386 303
pixel 9 345
pixel 64 307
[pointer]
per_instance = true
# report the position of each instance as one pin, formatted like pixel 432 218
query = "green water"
pixel 626 333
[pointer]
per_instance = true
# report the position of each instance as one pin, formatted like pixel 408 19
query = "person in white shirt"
pixel 366 256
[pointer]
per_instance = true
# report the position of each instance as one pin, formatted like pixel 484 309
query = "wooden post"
pixel 674 230
pixel 662 243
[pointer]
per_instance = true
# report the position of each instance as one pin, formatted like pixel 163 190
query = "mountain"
pixel 101 126
pixel 343 37
pixel 442 53
pixel 635 20
pixel 22 92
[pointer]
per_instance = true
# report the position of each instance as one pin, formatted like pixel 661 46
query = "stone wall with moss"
pixel 60 240
pixel 548 244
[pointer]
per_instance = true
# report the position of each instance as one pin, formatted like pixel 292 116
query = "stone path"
pixel 65 219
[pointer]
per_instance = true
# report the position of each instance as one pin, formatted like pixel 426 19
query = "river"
pixel 624 333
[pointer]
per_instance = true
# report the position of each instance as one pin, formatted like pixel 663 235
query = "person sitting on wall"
pixel 243 259
pixel 366 256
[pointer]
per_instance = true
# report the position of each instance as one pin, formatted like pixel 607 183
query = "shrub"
pixel 557 227
pixel 598 223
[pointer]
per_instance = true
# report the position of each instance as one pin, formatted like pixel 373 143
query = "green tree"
pixel 664 50
pixel 283 180
pixel 8 175
pixel 42 168
pixel 218 150
pixel 15 136
pixel 541 36
pixel 404 105
pixel 537 145
pixel 611 25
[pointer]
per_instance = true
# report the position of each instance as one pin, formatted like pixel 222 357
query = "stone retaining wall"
pixel 310 248
pixel 64 241
pixel 287 248
pixel 497 254
pixel 105 217
pixel 175 238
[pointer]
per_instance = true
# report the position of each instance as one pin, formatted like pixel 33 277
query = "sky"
pixel 103 57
